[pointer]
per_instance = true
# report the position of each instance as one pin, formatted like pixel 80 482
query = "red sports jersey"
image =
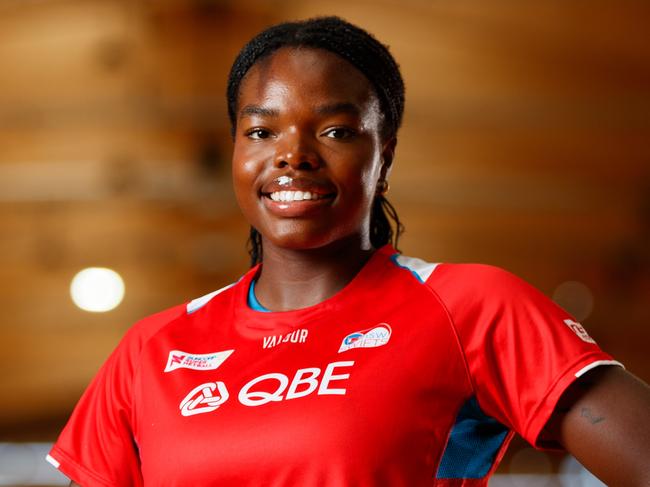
pixel 413 374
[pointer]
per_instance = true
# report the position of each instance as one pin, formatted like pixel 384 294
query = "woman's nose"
pixel 297 152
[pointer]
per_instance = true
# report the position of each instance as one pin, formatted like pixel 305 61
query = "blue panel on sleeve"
pixel 474 442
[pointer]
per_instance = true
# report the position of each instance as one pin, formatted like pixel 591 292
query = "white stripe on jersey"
pixel 53 461
pixel 198 303
pixel 595 364
pixel 419 267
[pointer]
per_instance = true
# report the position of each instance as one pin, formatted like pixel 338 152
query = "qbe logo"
pixel 273 387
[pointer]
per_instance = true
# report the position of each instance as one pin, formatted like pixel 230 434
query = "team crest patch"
pixel 368 338
pixel 208 361
pixel 579 330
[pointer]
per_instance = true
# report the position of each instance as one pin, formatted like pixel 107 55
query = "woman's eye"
pixel 258 134
pixel 339 133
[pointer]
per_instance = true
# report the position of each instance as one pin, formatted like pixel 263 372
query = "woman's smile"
pixel 290 197
pixel 290 204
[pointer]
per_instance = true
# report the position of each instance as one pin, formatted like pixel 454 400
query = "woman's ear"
pixel 387 155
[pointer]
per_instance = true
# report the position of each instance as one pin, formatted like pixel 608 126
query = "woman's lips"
pixel 298 184
pixel 294 197
pixel 293 204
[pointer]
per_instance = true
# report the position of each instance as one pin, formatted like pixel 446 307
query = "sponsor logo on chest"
pixel 296 336
pixel 207 361
pixel 269 388
pixel 369 338
pixel 275 386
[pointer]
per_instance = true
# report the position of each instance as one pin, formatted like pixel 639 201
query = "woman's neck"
pixel 293 279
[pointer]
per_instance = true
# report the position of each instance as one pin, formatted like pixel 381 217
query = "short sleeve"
pixel 97 447
pixel 522 350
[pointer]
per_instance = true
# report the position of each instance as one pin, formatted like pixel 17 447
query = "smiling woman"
pixel 335 360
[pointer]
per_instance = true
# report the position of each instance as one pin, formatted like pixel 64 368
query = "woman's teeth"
pixel 293 196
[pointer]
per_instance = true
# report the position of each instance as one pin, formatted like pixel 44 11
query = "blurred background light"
pixel 97 289
pixel 575 298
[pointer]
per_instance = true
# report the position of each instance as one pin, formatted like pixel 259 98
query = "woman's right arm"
pixel 73 484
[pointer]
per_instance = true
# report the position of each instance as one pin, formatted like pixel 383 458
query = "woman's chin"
pixel 298 242
pixel 305 239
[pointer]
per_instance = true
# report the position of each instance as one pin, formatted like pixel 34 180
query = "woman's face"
pixel 308 149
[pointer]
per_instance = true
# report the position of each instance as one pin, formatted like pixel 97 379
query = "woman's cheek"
pixel 369 177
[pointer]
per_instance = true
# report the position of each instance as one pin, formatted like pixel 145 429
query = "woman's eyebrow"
pixel 250 110
pixel 334 108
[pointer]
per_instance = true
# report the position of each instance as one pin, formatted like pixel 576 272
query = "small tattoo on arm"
pixel 593 419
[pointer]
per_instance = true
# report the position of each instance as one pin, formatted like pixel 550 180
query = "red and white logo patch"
pixel 204 399
pixel 207 361
pixel 579 330
pixel 369 338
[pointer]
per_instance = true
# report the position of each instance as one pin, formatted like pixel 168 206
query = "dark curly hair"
pixel 365 53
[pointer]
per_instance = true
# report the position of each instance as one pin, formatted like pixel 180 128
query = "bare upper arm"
pixel 603 419
pixel 74 484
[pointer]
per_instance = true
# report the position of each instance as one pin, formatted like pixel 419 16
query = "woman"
pixel 335 360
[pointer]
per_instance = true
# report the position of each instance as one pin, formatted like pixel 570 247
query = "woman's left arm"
pixel 603 420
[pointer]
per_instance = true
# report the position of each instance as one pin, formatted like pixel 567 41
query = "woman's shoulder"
pixel 146 327
pixel 468 284
pixel 476 276
pixel 468 276
pixel 152 324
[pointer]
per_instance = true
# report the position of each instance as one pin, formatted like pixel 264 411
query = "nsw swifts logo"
pixel 368 338
pixel 208 361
